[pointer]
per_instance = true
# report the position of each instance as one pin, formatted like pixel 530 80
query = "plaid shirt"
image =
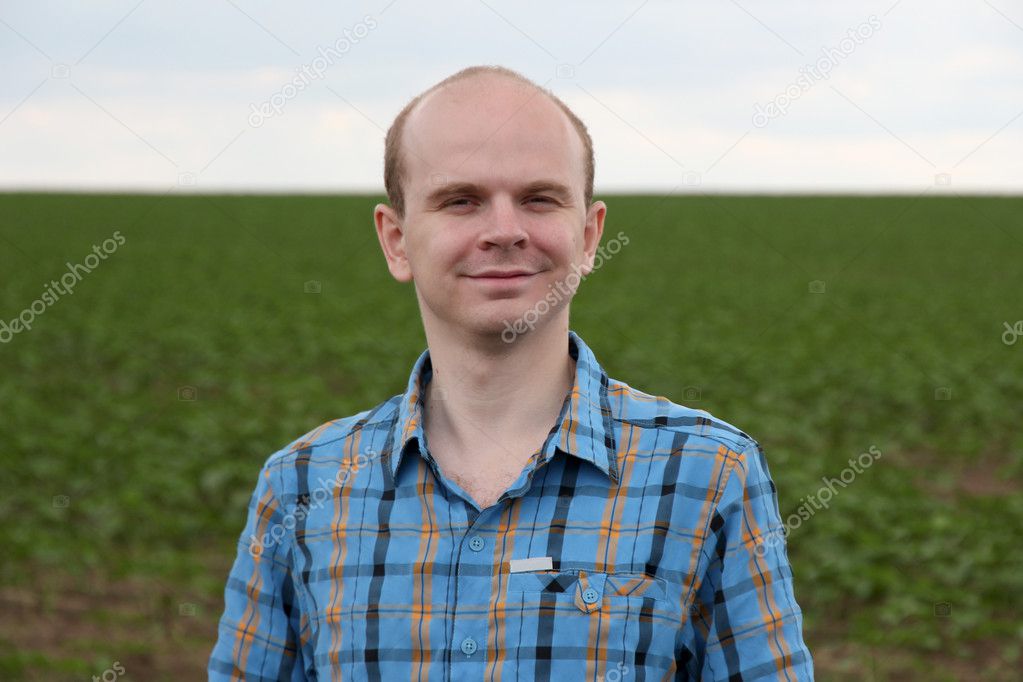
pixel 631 546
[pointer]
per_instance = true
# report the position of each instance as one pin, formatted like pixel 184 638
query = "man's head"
pixel 486 171
pixel 396 170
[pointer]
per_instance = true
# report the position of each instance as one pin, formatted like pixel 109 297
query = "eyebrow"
pixel 455 188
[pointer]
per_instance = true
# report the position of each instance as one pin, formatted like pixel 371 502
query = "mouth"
pixel 515 273
pixel 503 279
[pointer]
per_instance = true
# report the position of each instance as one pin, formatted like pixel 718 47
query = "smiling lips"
pixel 503 279
pixel 502 274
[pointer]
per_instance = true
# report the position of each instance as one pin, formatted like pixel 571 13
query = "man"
pixel 516 513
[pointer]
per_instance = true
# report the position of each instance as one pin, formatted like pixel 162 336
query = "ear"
pixel 391 234
pixel 593 229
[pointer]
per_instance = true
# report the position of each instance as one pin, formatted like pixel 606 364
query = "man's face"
pixel 494 185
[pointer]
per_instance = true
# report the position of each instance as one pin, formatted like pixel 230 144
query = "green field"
pixel 123 498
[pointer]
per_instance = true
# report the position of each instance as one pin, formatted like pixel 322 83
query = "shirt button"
pixel 476 543
pixel 468 646
pixel 590 595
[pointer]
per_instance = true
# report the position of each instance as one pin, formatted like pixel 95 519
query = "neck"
pixel 486 394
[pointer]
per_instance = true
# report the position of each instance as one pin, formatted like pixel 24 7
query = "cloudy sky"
pixel 789 96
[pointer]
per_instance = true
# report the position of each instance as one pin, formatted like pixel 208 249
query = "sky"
pixel 897 96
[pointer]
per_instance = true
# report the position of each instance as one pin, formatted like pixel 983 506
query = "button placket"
pixel 469 636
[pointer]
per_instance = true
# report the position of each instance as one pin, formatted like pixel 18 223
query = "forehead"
pixel 492 132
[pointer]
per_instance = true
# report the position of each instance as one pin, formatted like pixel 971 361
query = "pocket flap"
pixel 634 585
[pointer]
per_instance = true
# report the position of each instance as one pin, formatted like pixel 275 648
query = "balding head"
pixel 484 89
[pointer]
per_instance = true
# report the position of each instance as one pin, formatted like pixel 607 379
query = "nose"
pixel 503 227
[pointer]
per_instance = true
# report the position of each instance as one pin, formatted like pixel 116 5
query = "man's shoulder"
pixel 331 435
pixel 635 407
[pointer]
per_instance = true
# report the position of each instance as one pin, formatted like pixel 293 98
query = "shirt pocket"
pixel 591 590
pixel 594 625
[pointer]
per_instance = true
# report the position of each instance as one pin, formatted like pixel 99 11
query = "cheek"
pixel 552 238
pixel 431 258
pixel 564 248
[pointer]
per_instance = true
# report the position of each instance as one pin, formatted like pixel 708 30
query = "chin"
pixel 494 322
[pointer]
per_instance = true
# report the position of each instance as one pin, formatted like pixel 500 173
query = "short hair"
pixel 396 171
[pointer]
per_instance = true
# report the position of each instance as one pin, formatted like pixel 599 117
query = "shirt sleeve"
pixel 259 633
pixel 745 614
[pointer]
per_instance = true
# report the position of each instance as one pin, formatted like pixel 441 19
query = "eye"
pixel 456 202
pixel 547 199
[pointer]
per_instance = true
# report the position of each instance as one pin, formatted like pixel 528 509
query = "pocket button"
pixel 589 591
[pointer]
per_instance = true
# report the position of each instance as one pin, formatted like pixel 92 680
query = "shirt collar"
pixel 584 427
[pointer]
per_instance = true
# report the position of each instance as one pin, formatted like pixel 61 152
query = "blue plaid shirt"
pixel 633 545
